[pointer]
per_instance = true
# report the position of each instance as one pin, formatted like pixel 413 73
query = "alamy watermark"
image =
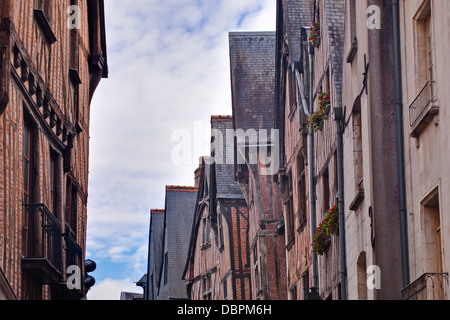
pixel 74 19
pixel 73 277
pixel 374 20
pixel 252 147
pixel 373 278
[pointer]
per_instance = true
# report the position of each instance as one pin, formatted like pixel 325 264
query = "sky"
pixel 169 71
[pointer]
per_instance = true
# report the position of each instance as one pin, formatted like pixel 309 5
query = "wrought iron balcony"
pixel 422 110
pixel 43 255
pixel 73 251
pixel 429 286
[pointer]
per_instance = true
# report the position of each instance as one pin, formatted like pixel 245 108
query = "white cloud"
pixel 110 289
pixel 169 67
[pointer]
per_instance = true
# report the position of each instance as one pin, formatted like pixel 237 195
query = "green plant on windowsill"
pixel 314 35
pixel 328 228
pixel 321 114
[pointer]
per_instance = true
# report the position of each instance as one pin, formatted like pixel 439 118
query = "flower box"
pixel 317 118
pixel 328 228
pixel 314 35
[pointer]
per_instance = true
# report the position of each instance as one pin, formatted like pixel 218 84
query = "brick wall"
pixel 31 54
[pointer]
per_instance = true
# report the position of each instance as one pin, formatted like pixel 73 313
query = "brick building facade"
pixel 327 79
pixel 291 121
pixel 48 75
pixel 378 205
pixel 252 62
pixel 218 264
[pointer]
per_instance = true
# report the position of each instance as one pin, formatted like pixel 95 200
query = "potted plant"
pixel 320 241
pixel 331 222
pixel 328 228
pixel 314 35
pixel 321 114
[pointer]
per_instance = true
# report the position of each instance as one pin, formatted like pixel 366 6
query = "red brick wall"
pixel 50 66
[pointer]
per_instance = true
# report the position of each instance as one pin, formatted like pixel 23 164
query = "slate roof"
pixel 335 16
pixel 178 217
pixel 156 243
pixel 223 169
pixel 252 62
pixel 296 14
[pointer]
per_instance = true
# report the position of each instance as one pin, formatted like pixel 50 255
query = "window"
pixel 289 209
pixel 301 188
pixel 256 269
pixel 74 69
pixel 326 81
pixel 206 235
pixel 225 289
pixel 424 45
pixel 305 285
pixel 326 191
pixel 361 267
pixel 432 231
pixel 43 16
pixel 27 141
pixel 292 94
pixel 352 19
pixel 71 207
pixel 220 222
pixel 207 294
pixel 53 183
pixel 352 36
pixel 429 48
pixel 430 61
pixel 357 155
pixel 357 148
pixel 28 148
pixel 423 110
pixel 294 292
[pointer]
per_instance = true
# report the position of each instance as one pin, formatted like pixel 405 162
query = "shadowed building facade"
pixel 48 75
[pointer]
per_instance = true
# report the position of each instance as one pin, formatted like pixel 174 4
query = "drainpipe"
pixel 312 182
pixel 340 197
pixel 400 145
pixel 302 94
pixel 314 293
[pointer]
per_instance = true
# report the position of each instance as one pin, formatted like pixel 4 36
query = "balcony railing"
pixel 48 248
pixel 73 251
pixel 429 286
pixel 422 109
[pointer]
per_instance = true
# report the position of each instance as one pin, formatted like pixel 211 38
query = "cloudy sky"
pixel 169 72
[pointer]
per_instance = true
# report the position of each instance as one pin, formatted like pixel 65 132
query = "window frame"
pixel 301 193
pixel 53 175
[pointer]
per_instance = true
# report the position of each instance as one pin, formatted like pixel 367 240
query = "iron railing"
pixel 429 286
pixel 419 105
pixel 48 235
pixel 73 251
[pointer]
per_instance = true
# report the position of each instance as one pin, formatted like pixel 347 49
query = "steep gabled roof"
pixel 294 14
pixel 252 61
pixel 179 212
pixel 222 170
pixel 335 23
pixel 203 193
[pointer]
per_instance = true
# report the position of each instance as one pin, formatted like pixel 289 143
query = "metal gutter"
pixel 400 145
